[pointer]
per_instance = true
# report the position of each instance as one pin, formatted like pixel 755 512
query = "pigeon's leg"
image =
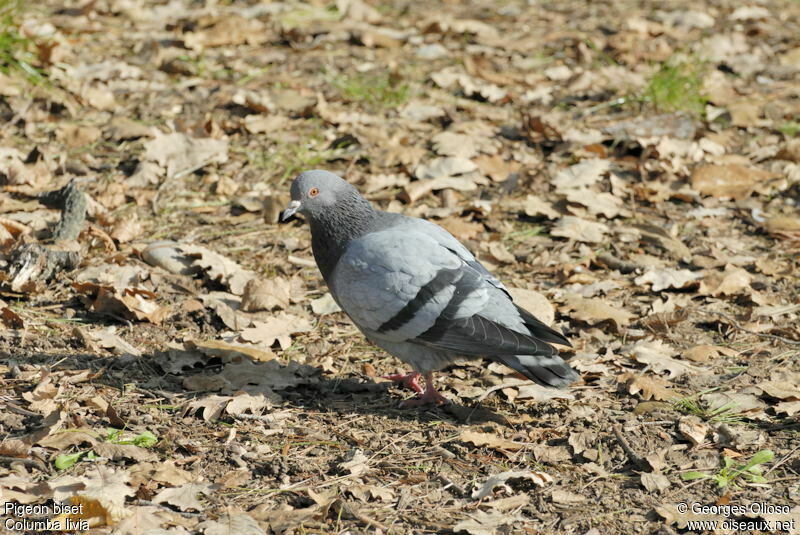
pixel 408 380
pixel 430 396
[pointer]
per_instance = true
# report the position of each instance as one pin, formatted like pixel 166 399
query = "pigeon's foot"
pixel 430 396
pixel 408 380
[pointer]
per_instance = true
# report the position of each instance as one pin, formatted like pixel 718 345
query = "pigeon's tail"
pixel 547 370
pixel 540 330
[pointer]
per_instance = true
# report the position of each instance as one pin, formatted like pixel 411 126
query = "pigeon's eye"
pixel 313 192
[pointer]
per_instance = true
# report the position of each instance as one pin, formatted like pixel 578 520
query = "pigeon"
pixel 416 292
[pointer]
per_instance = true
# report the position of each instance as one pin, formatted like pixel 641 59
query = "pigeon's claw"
pixel 430 396
pixel 408 380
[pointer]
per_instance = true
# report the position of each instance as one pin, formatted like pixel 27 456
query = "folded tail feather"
pixel 540 330
pixel 545 370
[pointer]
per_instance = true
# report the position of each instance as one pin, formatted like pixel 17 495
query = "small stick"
pixel 738 325
pixel 362 517
pixel 33 463
pixel 635 458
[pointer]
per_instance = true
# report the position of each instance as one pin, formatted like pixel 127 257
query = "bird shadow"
pixel 339 396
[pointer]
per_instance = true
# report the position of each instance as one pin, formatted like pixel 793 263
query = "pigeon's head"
pixel 316 192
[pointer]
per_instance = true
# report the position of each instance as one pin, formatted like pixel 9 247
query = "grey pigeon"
pixel 415 291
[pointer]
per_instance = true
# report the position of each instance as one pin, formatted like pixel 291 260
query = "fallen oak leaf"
pixel 102 499
pixel 728 181
pixel 650 388
pixel 266 294
pixel 662 279
pixel 279 327
pixel 732 281
pixel 582 230
pixel 228 524
pixel 596 310
pixel 185 497
pixel 484 523
pixel 705 352
pixel 538 478
pixel 490 440
pixel 123 451
pixel 130 303
pixel 658 356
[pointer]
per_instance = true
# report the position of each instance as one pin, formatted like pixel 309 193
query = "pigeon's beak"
pixel 292 209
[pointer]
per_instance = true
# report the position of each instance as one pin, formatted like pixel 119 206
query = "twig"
pixel 33 463
pixel 13 407
pixel 170 180
pixel 739 326
pixel 507 384
pixel 352 511
pixel 657 422
pixel 170 509
pixel 635 458
pixel 102 235
pixel 785 458
pixel 456 489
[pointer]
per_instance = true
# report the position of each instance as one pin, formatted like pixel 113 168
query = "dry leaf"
pixel 496 168
pixel 535 303
pixel 123 451
pixel 227 352
pixel 662 279
pixel 651 388
pixel 461 229
pixel 357 465
pixel 279 327
pixel 255 377
pixel 130 303
pixel 500 253
pixel 212 406
pixel 483 523
pixel 489 440
pixel 462 146
pixel 231 524
pixel 582 230
pixel 597 203
pixel 102 497
pixel 654 482
pixel 325 305
pixel 244 402
pixel 732 281
pixel 538 478
pixel 658 356
pixel 585 173
pixel 445 167
pixel 705 352
pixel 266 294
pixel 596 310
pixel 179 154
pixel 693 428
pixel 728 181
pixel 185 497
pixel 534 207
pixel 13 447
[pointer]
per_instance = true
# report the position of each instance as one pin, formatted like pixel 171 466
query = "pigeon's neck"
pixel 332 231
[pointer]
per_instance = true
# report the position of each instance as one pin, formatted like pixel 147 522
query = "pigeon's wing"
pixel 396 284
pixel 447 240
pixel 498 308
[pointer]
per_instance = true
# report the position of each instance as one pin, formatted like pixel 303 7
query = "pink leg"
pixel 430 396
pixel 408 380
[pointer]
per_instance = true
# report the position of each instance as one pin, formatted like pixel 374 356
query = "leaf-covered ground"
pixel 632 169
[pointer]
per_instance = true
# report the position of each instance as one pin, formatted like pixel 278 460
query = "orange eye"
pixel 313 192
